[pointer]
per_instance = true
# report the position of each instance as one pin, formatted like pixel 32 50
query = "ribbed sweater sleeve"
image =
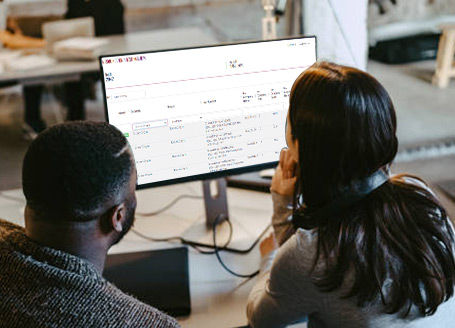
pixel 273 301
pixel 44 287
pixel 282 216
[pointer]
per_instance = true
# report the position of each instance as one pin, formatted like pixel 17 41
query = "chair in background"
pixel 445 68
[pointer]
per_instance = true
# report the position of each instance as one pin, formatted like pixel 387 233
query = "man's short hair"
pixel 72 170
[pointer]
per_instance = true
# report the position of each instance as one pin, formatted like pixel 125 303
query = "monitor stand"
pixel 215 201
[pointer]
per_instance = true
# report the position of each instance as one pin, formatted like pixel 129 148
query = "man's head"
pixel 78 174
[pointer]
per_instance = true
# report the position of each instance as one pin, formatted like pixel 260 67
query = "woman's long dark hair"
pixel 398 241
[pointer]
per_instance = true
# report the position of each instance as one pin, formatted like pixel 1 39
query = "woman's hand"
pixel 268 245
pixel 5 37
pixel 284 180
pixel 19 41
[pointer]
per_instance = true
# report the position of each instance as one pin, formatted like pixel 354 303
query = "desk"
pixel 218 299
pixel 133 42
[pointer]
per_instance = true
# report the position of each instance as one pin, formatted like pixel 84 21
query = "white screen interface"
pixel 203 110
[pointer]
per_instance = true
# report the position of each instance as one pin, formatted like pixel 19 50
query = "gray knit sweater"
pixel 44 287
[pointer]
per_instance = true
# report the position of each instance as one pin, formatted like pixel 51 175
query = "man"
pixel 109 20
pixel 108 14
pixel 79 182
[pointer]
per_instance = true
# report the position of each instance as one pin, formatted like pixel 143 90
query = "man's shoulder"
pixel 45 287
pixel 124 306
pixel 7 229
pixel 77 303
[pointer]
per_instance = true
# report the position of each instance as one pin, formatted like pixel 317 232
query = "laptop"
pixel 65 29
pixel 159 278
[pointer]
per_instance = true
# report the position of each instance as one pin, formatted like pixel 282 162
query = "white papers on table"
pixel 79 48
pixel 17 61
pixel 29 62
pixel 8 55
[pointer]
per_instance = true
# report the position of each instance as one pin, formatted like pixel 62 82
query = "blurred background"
pixel 407 44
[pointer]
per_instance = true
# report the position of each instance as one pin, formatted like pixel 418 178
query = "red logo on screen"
pixel 126 59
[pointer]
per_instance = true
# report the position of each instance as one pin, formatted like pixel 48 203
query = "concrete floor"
pixel 425 113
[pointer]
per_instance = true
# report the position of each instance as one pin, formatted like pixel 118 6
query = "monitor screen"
pixel 204 112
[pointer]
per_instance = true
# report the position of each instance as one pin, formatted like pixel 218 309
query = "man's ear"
pixel 114 218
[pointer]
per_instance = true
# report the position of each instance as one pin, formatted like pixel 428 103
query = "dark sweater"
pixel 44 287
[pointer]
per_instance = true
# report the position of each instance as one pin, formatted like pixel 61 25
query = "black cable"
pixel 195 244
pixel 216 249
pixel 217 254
pixel 168 206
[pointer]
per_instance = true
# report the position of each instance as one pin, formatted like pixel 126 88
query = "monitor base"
pixel 250 181
pixel 215 200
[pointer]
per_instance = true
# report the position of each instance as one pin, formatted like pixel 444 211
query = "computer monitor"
pixel 204 112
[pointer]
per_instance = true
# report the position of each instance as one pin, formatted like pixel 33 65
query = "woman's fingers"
pixel 282 156
pixel 289 167
pixel 287 163
pixel 283 182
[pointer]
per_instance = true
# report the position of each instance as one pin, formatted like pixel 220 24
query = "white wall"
pixel 328 20
pixel 2 16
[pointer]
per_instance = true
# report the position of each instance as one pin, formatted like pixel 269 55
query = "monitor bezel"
pixel 204 176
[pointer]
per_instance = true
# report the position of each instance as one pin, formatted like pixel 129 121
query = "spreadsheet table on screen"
pixel 190 112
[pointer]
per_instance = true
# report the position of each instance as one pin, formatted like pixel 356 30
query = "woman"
pixel 358 248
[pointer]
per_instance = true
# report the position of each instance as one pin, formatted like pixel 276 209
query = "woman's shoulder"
pixel 306 239
pixel 418 182
pixel 299 251
pixel 412 180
